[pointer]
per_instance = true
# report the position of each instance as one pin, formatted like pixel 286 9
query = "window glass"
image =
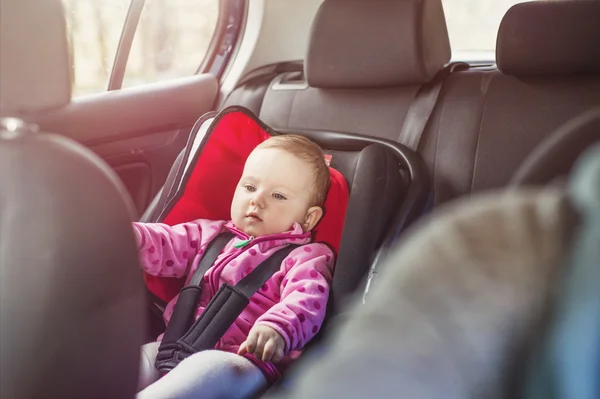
pixel 473 27
pixel 94 29
pixel 171 40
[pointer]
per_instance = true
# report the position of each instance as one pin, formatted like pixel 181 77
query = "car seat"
pixel 71 301
pixel 377 187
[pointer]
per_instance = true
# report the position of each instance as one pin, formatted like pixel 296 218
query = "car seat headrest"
pixel 34 57
pixel 550 37
pixel 376 43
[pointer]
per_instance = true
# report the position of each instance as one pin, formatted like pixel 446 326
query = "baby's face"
pixel 274 192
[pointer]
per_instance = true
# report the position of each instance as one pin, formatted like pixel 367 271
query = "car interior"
pixel 413 128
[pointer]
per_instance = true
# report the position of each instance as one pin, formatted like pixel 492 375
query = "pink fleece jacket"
pixel 292 301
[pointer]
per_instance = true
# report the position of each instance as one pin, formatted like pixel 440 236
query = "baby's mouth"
pixel 253 216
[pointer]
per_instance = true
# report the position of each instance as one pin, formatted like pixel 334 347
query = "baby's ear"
pixel 313 215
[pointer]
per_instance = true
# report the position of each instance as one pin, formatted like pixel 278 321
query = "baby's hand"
pixel 265 343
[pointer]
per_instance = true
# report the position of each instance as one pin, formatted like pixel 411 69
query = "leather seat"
pixel 489 120
pixel 71 298
pixel 366 61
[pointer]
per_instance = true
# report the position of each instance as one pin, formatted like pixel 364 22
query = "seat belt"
pixel 416 120
pixel 185 337
pixel 420 111
pixel 422 106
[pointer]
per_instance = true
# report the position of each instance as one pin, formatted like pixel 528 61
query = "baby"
pixel 278 201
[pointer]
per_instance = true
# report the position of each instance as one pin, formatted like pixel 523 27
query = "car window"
pixel 93 29
pixel 473 27
pixel 124 43
pixel 171 40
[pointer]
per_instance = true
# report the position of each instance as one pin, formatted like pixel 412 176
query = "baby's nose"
pixel 257 200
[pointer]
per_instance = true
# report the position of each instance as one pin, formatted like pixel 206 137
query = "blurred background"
pixel 173 37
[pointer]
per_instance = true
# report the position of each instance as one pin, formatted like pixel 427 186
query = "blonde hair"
pixel 309 152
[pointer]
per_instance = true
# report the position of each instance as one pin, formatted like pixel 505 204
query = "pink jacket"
pixel 292 301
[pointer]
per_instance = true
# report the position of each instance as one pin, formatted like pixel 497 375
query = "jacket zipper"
pixel 246 247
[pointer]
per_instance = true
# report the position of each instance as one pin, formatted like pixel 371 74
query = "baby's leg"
pixel 208 374
pixel 148 373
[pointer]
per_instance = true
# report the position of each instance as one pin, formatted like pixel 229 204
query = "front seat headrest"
pixel 34 57
pixel 550 38
pixel 376 43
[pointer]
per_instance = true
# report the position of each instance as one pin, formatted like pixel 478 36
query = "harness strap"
pixel 229 302
pixel 189 296
pixel 184 336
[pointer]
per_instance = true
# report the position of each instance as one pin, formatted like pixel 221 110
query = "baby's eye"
pixel 250 188
pixel 279 197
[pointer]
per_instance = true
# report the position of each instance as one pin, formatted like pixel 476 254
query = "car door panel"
pixel 138 131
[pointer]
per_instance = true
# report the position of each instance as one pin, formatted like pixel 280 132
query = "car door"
pixel 143 73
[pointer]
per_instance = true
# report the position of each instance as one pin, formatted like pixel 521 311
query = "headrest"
pixel 376 43
pixel 34 57
pixel 550 37
pixel 218 163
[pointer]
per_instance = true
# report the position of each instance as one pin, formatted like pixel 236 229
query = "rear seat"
pixel 366 62
pixel 487 122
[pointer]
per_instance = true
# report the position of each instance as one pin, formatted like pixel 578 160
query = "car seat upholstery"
pixel 457 305
pixel 490 120
pixel 71 298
